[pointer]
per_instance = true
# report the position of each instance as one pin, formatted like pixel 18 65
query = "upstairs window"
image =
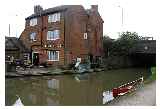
pixel 33 22
pixel 53 55
pixel 33 36
pixel 53 35
pixel 54 17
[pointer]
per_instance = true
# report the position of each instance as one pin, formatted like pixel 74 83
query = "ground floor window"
pixel 53 55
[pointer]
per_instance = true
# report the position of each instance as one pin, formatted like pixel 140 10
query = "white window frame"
pixel 54 17
pixel 85 35
pixel 52 58
pixel 33 22
pixel 32 38
pixel 56 34
pixel 53 35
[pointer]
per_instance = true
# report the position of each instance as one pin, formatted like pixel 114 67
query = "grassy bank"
pixel 153 69
pixel 152 77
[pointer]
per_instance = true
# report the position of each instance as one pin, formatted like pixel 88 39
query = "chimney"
pixel 38 9
pixel 94 7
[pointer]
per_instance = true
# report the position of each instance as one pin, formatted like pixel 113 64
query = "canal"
pixel 86 89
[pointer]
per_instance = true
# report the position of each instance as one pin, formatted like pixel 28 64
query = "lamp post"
pixel 121 14
pixel 16 25
pixel 9 30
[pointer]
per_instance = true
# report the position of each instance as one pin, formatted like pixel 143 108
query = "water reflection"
pixel 32 98
pixel 83 89
pixel 18 102
pixel 53 84
pixel 81 77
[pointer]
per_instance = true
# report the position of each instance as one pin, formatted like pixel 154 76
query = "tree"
pixel 131 36
pixel 126 41
pixel 107 45
pixel 122 45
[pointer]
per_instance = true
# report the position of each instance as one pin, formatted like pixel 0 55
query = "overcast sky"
pixel 141 16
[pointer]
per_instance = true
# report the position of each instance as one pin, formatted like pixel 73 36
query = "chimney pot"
pixel 94 7
pixel 38 9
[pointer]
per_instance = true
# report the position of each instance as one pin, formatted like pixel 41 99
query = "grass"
pixel 153 70
pixel 152 77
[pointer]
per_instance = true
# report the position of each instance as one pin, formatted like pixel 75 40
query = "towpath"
pixel 144 96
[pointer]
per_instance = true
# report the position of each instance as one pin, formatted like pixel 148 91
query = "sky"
pixel 139 16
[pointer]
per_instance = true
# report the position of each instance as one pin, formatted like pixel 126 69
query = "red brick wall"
pixel 75 26
pixel 95 27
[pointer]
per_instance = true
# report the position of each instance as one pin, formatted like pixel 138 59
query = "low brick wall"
pixel 115 62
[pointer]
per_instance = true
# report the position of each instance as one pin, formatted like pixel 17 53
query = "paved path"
pixel 145 96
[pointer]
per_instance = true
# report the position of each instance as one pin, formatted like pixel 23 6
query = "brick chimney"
pixel 38 9
pixel 94 7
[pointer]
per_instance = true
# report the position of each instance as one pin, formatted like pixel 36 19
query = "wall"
pixel 115 62
pixel 75 27
pixel 77 23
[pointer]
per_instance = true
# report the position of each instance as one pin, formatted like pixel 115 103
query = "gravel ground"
pixel 144 96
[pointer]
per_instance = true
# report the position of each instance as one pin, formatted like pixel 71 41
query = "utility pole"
pixel 121 14
pixel 16 23
pixel 9 30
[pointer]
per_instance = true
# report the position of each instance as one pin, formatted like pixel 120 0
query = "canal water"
pixel 86 89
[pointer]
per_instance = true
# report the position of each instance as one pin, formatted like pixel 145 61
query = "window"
pixel 53 35
pixel 54 17
pixel 33 36
pixel 85 35
pixel 56 34
pixel 33 22
pixel 53 55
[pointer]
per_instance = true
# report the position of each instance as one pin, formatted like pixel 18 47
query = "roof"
pixel 53 10
pixel 13 43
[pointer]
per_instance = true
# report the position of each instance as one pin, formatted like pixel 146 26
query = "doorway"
pixel 35 58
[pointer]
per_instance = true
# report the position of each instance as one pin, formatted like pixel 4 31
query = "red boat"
pixel 121 90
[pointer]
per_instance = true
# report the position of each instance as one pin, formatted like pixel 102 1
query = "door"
pixel 35 58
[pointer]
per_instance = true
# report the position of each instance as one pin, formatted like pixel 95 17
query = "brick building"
pixel 59 35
